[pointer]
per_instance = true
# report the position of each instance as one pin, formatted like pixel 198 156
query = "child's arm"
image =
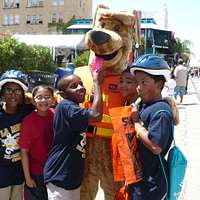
pixel 25 164
pixel 96 110
pixel 142 133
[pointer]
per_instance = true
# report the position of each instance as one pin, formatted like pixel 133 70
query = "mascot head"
pixel 111 38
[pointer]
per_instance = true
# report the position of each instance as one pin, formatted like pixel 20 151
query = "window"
pixel 56 18
pixel 34 19
pixel 40 19
pixel 28 19
pixel 17 19
pixel 11 3
pixel 35 3
pixel 58 2
pixel 11 20
pixel 5 20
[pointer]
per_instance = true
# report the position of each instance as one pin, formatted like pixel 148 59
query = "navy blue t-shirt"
pixel 64 166
pixel 160 127
pixel 11 172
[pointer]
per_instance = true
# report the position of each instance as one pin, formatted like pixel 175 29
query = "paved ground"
pixel 187 135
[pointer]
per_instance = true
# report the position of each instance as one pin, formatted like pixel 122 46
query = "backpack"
pixel 177 164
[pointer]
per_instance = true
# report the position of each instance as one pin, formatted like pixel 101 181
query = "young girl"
pixel 169 87
pixel 35 142
pixel 13 84
pixel 126 161
pixel 127 87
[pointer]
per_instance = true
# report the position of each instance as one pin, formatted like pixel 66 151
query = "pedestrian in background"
pixel 63 172
pixel 13 84
pixel 180 73
pixel 169 87
pixel 36 136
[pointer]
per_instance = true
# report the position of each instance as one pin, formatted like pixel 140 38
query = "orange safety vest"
pixel 125 157
pixel 111 98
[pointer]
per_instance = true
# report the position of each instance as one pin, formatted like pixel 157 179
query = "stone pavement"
pixel 187 136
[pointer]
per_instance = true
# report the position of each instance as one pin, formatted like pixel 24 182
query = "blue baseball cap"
pixel 151 64
pixel 14 76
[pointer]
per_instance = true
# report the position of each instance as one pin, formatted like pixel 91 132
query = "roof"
pixel 76 41
pixel 80 26
pixel 152 26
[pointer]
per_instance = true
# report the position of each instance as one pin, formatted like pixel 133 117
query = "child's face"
pixel 74 90
pixel 13 94
pixel 148 89
pixel 43 100
pixel 128 85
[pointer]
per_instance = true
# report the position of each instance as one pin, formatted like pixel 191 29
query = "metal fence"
pixel 36 77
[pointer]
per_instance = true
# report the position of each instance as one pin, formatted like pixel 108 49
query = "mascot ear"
pixel 137 29
pixel 99 6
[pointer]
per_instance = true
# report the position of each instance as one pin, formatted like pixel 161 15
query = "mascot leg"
pixel 98 181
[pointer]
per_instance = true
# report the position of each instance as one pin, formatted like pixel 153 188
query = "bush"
pixel 81 59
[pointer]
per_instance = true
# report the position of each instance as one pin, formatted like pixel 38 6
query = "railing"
pixel 36 77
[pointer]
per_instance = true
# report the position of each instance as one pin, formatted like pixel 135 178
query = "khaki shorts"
pixel 58 193
pixel 14 192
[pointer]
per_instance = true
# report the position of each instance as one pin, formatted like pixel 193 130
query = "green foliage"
pixel 81 59
pixel 16 55
pixel 183 48
pixel 61 27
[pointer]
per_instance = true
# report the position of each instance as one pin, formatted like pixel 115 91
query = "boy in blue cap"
pixel 153 125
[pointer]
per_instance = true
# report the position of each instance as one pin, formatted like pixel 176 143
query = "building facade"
pixel 40 16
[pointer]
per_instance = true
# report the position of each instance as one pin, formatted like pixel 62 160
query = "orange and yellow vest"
pixel 111 98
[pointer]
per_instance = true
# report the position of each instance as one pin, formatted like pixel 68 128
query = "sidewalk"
pixel 187 136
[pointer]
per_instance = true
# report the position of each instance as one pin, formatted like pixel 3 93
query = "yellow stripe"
pixel 105 132
pixel 106 119
pixel 104 97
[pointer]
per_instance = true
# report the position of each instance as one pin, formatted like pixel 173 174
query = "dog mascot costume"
pixel 111 41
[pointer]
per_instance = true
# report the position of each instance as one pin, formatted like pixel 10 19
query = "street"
pixel 187 136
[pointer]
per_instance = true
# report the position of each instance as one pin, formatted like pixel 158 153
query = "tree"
pixel 182 49
pixel 16 55
pixel 61 27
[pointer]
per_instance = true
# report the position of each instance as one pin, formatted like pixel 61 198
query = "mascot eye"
pixel 103 24
pixel 117 28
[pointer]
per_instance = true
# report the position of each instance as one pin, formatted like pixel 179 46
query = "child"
pixel 127 86
pixel 35 142
pixel 63 171
pixel 125 158
pixel 13 84
pixel 154 129
pixel 169 87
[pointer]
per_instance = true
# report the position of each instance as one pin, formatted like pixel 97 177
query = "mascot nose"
pixel 99 37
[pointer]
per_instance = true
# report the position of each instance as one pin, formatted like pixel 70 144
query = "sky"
pixel 183 16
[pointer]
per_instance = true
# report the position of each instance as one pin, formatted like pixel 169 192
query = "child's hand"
pixel 98 77
pixel 31 183
pixel 134 113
